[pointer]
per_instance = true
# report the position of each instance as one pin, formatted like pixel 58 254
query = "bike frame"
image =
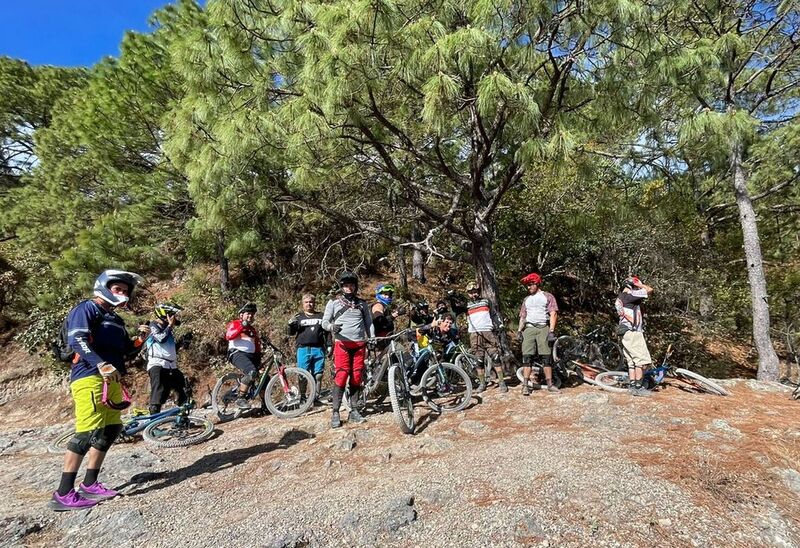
pixel 137 423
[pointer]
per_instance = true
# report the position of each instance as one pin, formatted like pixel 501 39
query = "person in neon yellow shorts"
pixel 101 344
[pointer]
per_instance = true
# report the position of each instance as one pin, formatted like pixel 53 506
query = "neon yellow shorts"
pixel 90 413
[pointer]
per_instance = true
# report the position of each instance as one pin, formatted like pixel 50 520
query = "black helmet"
pixel 249 307
pixel 348 277
pixel 422 304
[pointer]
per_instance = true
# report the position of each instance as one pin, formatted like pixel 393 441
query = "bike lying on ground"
pixel 287 393
pixel 618 381
pixel 792 348
pixel 593 347
pixel 174 427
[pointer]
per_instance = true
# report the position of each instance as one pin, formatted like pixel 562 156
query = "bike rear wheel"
pixel 699 382
pixel 177 431
pixel 224 396
pixel 613 381
pixel 446 387
pixel 298 399
pixel 612 356
pixel 400 397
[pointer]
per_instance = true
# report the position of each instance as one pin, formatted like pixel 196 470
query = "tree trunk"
pixel 418 258
pixel 483 258
pixel 768 366
pixel 401 268
pixel 224 273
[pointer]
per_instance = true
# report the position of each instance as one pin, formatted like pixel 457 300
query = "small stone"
pixel 703 435
pixel 346 443
pixel 472 426
pixel 665 522
pixel 399 512
pixel 791 478
pixel 275 466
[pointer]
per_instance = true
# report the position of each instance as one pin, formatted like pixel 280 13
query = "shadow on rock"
pixel 208 464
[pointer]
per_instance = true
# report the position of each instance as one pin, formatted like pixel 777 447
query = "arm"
pixel 327 316
pixel 79 324
pixel 234 330
pixel 523 314
pixel 552 310
pixel 646 288
pixel 294 326
pixel 159 333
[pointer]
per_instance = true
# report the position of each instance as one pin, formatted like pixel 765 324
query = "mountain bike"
pixel 561 375
pixel 174 427
pixel 399 385
pixel 287 393
pixel 444 386
pixel 618 381
pixel 792 348
pixel 593 347
pixel 568 371
pixel 468 362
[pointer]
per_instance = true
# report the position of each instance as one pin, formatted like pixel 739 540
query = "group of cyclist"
pixel 101 345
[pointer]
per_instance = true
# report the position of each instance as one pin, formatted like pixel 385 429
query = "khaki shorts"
pixel 482 343
pixel 635 349
pixel 534 341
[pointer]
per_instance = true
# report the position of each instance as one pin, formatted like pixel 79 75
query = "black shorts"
pixel 246 362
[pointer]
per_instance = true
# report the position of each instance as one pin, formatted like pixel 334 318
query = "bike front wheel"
pixel 446 387
pixel 699 382
pixel 178 431
pixel 400 398
pixel 224 396
pixel 613 381
pixel 294 399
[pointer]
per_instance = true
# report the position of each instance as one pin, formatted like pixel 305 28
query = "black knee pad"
pixel 103 438
pixel 80 442
pixel 247 379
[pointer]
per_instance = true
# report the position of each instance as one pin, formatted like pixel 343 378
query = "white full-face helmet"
pixel 109 277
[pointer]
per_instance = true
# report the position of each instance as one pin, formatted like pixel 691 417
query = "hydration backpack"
pixel 60 348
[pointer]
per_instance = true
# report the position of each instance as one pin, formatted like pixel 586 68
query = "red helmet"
pixel 632 282
pixel 532 278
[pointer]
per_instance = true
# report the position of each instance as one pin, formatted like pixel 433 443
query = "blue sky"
pixel 70 32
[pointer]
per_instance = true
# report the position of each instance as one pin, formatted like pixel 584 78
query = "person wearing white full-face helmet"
pixel 101 344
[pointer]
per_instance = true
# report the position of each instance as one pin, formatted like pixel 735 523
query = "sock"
pixel 482 378
pixel 67 482
pixel 91 476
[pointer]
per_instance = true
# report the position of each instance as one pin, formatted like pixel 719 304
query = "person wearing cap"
pixel 244 349
pixel 101 345
pixel 631 329
pixel 348 318
pixel 481 325
pixel 537 324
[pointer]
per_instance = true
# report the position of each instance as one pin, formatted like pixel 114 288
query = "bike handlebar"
pixel 390 337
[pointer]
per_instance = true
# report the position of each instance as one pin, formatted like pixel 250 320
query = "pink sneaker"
pixel 97 491
pixel 70 501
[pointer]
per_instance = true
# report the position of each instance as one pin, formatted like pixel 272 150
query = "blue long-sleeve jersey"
pixel 96 336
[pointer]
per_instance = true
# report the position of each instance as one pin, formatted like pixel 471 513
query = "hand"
pixel 551 337
pixel 329 351
pixel 245 323
pixel 108 372
pixel 144 330
pixel 336 328
pixel 171 320
pixel 519 335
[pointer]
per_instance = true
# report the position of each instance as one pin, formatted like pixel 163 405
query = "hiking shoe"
pixel 526 389
pixel 96 491
pixel 242 403
pixel 639 391
pixel 503 387
pixel 70 501
pixel 552 388
pixel 355 417
pixel 481 388
pixel 336 422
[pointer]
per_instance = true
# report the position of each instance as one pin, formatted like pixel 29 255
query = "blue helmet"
pixel 381 291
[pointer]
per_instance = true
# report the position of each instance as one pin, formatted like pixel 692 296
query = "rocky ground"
pixel 580 468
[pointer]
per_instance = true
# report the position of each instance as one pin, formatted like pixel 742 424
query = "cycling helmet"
pixel 473 286
pixel 348 277
pixel 249 307
pixel 165 310
pixel 631 282
pixel 422 305
pixel 532 278
pixel 108 277
pixel 380 289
